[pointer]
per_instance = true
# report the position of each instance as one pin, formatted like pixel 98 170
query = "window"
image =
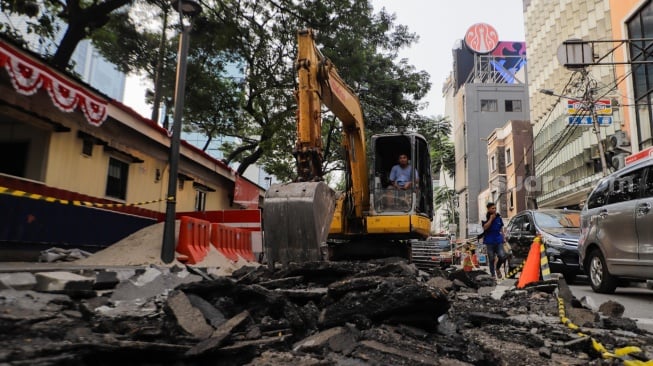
pixel 508 156
pixel 648 185
pixel 557 220
pixel 512 199
pixel 513 105
pixel 87 147
pixel 489 105
pixel 200 200
pixel 516 224
pixel 117 179
pixel 626 188
pixel 493 164
pixel 641 26
pixel 599 196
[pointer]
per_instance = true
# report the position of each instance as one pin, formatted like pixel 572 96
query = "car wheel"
pixel 570 278
pixel 600 279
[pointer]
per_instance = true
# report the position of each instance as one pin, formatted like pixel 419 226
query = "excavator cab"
pixel 388 200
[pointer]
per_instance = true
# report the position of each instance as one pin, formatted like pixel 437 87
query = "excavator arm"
pixel 320 84
pixel 297 216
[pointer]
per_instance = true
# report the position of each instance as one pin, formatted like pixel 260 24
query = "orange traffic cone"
pixel 531 271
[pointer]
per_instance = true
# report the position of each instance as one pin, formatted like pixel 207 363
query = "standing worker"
pixel 493 239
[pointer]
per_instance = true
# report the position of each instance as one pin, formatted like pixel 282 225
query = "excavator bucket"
pixel 296 221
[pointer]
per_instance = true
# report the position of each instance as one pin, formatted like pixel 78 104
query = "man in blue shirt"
pixel 493 238
pixel 401 174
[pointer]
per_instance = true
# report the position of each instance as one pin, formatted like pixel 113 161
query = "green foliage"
pixel 80 18
pixel 443 198
pixel 40 20
pixel 241 76
pixel 437 131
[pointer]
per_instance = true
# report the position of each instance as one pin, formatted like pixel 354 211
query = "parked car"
pixel 616 241
pixel 560 230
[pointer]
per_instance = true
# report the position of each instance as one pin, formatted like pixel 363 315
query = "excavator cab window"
pixel 388 198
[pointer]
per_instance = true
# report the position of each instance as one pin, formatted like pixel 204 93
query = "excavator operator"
pixel 401 174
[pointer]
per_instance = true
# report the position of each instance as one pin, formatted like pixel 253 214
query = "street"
pixel 637 299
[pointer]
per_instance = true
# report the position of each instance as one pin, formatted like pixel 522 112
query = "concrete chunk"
pixel 189 318
pixel 105 280
pixel 219 336
pixel 319 340
pixel 210 312
pixel 62 281
pixel 18 281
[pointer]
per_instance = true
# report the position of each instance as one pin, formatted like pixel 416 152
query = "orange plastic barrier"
pixel 222 240
pixel 193 240
pixel 531 271
pixel 232 242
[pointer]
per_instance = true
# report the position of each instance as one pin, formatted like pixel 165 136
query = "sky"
pixel 438 23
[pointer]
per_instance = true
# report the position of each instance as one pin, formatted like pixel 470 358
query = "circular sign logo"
pixel 481 38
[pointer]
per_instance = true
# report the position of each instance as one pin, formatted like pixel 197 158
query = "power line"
pixel 528 149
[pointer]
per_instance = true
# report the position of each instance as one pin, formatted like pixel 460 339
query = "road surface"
pixel 638 301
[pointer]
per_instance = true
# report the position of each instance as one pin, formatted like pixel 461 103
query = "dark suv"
pixel 560 230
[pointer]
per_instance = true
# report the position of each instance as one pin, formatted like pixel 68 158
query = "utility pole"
pixel 590 104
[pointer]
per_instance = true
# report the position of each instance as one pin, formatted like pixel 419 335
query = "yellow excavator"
pixel 306 220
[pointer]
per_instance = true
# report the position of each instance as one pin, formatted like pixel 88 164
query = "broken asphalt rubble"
pixel 328 313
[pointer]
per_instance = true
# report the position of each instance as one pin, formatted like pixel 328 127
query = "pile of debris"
pixel 328 313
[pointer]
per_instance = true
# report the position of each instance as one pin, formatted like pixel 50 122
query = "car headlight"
pixel 551 240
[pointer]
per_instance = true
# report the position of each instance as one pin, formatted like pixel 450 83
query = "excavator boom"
pixel 297 215
pixel 367 220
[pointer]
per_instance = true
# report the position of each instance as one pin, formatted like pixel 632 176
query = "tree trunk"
pixel 251 159
pixel 81 23
pixel 74 34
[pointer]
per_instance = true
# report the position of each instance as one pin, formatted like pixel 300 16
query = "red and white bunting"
pixel 28 77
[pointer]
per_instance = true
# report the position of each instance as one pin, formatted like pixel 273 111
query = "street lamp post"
pixel 188 8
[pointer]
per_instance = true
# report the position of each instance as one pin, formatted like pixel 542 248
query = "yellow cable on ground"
pixel 605 353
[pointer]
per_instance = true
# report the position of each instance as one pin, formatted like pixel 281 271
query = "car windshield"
pixel 557 219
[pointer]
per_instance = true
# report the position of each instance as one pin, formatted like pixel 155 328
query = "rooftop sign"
pixel 481 38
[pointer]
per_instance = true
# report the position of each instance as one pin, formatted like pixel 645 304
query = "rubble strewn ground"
pixel 329 313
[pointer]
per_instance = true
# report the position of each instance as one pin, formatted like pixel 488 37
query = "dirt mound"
pixel 144 248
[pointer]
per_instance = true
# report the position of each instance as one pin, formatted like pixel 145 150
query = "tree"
pixel 241 73
pixel 361 44
pixel 444 197
pixel 437 130
pixel 79 19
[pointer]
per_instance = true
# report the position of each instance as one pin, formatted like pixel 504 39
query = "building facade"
pixel 511 181
pixel 84 168
pixel 632 19
pixel 567 162
pixel 485 92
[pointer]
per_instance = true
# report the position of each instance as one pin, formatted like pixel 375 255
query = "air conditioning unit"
pixel 619 141
pixel 618 161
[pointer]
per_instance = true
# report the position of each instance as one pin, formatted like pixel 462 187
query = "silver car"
pixel 616 239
